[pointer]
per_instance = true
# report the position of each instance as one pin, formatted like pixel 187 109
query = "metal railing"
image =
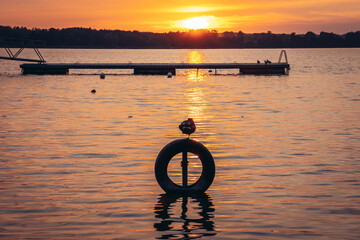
pixel 8 43
pixel 283 52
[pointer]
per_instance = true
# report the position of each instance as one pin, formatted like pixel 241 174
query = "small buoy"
pixel 102 76
pixel 93 91
pixel 169 75
pixel 210 71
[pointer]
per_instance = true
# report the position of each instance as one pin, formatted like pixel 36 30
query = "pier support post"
pixel 184 165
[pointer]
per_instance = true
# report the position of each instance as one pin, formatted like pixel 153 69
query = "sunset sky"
pixel 278 16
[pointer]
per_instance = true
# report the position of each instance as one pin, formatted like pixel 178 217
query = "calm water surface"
pixel 77 165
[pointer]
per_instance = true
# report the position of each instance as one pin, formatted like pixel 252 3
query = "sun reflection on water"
pixel 195 57
pixel 195 75
pixel 196 103
pixel 195 94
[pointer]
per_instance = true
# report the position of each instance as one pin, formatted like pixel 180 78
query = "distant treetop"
pixel 92 38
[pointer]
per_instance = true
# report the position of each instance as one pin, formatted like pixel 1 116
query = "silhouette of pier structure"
pixel 41 67
pixel 156 68
pixel 21 44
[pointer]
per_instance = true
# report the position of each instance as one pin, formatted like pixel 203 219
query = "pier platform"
pixel 156 68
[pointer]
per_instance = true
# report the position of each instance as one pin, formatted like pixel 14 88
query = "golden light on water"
pixel 197 109
pixel 195 75
pixel 91 171
pixel 195 57
pixel 196 94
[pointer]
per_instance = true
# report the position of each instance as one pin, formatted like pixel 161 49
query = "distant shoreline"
pixel 95 48
pixel 87 38
pixel 280 48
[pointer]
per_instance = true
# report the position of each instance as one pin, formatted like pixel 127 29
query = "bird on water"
pixel 187 126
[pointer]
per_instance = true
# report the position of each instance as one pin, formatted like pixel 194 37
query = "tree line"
pixel 92 38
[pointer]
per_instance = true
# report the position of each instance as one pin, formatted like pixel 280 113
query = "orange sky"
pixel 278 16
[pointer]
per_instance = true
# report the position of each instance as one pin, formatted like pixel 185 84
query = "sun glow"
pixel 196 23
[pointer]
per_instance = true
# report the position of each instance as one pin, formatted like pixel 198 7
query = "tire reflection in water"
pixel 194 220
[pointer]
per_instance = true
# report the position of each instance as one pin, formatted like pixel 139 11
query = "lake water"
pixel 77 165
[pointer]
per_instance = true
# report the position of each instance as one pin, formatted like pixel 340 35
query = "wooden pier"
pixel 156 68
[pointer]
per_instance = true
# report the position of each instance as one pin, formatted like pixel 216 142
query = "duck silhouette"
pixel 187 126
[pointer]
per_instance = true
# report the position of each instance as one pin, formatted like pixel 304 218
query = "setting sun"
pixel 196 23
pixel 280 16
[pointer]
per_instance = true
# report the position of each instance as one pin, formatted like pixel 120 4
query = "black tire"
pixel 178 146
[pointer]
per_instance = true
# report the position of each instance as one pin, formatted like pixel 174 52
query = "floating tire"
pixel 174 148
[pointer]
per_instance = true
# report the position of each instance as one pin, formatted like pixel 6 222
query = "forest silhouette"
pixel 202 39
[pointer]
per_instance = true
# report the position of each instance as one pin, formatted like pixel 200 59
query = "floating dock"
pixel 156 68
pixel 147 68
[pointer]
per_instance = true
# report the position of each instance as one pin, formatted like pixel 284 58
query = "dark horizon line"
pixel 177 31
pixel 193 39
